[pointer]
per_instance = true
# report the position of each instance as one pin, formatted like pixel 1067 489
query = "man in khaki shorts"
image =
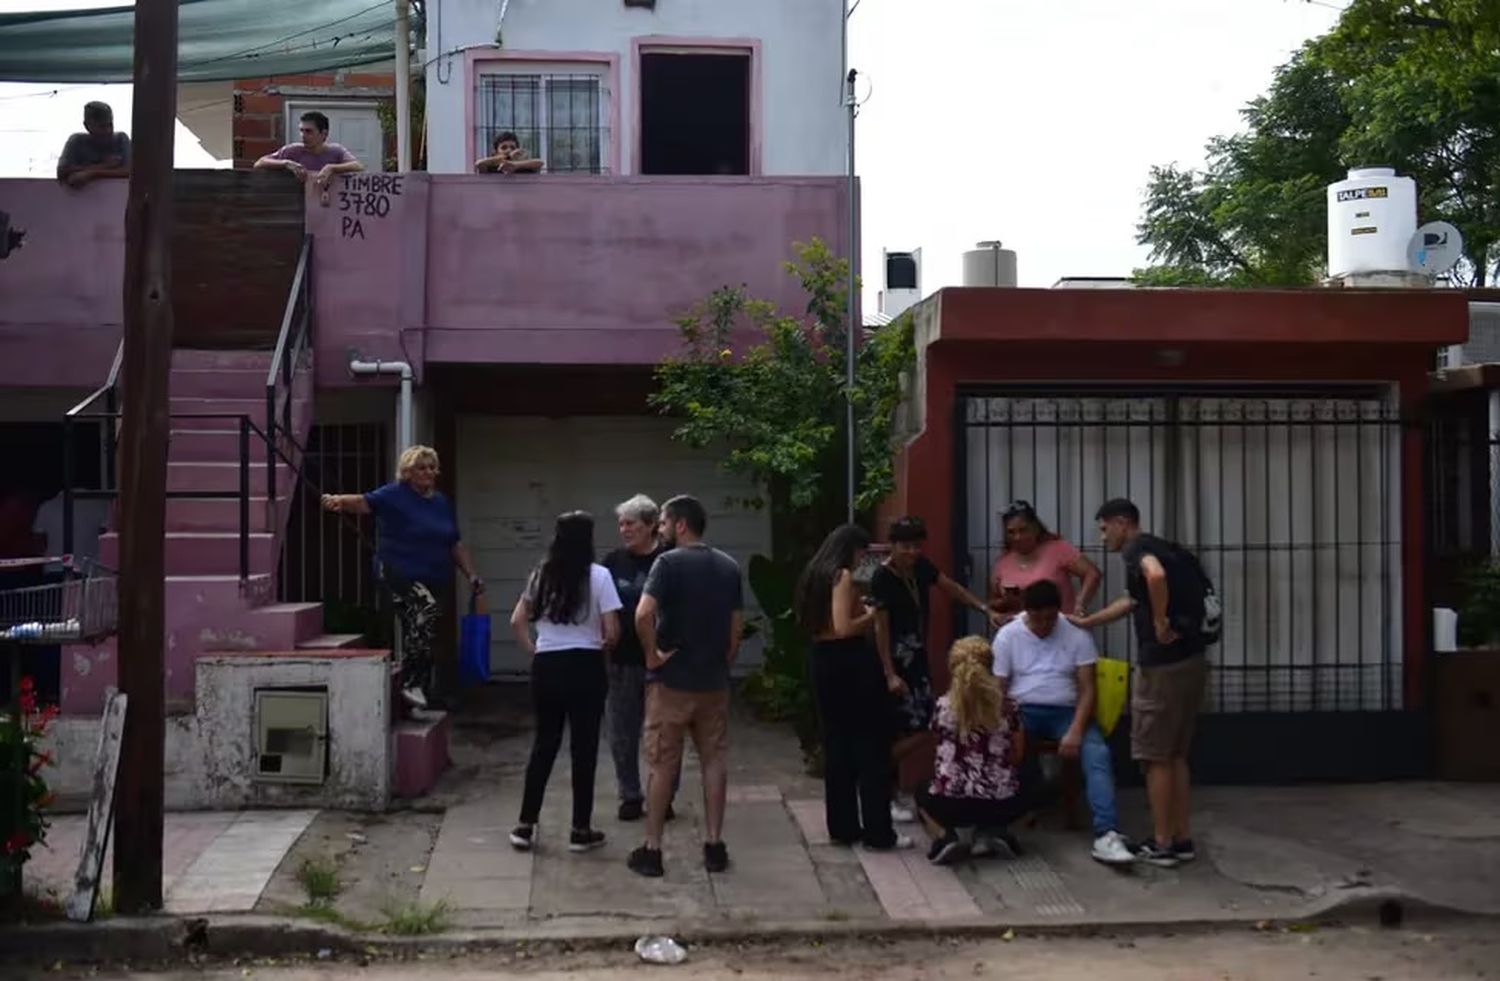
pixel 1171 673
pixel 688 622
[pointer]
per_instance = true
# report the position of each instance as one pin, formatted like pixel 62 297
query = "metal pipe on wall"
pixel 403 86
pixel 404 425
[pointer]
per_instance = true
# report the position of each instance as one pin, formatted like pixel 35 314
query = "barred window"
pixel 558 118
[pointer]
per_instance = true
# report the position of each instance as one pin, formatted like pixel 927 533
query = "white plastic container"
pixel 1371 217
pixel 987 264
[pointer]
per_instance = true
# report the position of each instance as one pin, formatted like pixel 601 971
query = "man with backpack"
pixel 1176 615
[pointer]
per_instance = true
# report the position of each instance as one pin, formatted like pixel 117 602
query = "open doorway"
pixel 695 113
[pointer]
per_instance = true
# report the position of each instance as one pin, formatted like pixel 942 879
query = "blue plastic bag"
pixel 474 645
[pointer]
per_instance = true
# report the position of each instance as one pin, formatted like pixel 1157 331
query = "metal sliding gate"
pixel 1292 500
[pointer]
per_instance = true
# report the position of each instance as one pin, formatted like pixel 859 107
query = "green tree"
pixel 1414 85
pixel 777 408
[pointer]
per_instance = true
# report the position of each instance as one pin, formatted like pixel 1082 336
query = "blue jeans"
pixel 1052 722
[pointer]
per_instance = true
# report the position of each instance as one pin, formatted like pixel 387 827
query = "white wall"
pixel 802 119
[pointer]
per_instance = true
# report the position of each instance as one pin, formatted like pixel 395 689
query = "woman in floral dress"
pixel 976 789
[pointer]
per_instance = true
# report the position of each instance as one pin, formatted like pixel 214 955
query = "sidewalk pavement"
pixel 1265 853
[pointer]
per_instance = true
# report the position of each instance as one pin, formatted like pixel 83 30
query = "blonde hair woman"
pixel 417 545
pixel 976 788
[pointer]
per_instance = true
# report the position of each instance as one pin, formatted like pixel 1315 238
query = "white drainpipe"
pixel 403 406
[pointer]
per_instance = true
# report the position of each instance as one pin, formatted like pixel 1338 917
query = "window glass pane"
pixel 573 124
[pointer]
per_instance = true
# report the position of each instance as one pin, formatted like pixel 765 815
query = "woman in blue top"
pixel 417 546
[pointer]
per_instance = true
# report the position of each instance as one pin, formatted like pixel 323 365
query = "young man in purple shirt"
pixel 313 156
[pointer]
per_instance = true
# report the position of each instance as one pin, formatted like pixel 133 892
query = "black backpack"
pixel 1197 609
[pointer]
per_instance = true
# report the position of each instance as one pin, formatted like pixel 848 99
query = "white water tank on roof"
pixel 987 264
pixel 1371 217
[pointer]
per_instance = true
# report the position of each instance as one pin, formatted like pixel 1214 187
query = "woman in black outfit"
pixel 850 691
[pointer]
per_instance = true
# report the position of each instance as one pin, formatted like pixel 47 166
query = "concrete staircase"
pixel 208 608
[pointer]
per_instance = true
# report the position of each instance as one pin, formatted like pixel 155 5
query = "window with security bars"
pixel 557 118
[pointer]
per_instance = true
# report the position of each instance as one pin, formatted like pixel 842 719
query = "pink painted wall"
pixel 460 268
pixel 594 270
pixel 60 294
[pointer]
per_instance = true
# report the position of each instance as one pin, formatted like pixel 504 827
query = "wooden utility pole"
pixel 143 459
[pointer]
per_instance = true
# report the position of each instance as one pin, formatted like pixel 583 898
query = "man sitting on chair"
pixel 1046 665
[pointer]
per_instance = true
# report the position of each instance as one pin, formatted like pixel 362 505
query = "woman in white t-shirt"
pixel 574 605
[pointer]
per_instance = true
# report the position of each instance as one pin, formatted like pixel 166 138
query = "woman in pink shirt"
pixel 1033 553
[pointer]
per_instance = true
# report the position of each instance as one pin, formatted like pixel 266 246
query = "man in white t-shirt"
pixel 1046 665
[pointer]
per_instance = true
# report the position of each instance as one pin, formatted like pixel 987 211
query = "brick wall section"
pixel 260 107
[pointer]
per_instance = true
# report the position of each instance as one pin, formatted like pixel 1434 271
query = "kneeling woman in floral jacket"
pixel 976 791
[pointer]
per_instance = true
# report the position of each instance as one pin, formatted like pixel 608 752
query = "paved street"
pixel 1450 953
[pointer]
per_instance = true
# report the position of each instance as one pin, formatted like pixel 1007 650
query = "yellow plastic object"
pixel 1112 684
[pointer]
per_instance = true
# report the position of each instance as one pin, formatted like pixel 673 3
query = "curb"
pixel 169 939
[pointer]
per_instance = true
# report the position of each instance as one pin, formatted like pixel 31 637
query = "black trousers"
pixel 954 813
pixel 567 688
pixel 854 709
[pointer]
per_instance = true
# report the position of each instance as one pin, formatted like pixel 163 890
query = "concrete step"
pixel 330 642
pixel 283 626
pixel 192 360
pixel 224 478
pixel 214 441
pixel 207 413
pixel 201 552
pixel 218 383
pixel 185 514
pixel 221 590
pixel 421 754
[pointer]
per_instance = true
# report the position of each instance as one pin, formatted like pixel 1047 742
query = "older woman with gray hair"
pixel 626 708
pixel 417 545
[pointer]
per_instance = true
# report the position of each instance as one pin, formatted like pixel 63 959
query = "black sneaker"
pixel 522 836
pixel 585 840
pixel 715 856
pixel 1153 854
pixel 631 810
pixel 1184 850
pixel 646 861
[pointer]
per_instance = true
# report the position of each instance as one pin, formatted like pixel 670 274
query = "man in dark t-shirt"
pixel 689 621
pixel 1171 674
pixel 626 709
pixel 98 152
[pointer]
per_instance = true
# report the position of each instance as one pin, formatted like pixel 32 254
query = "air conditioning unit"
pixel 291 735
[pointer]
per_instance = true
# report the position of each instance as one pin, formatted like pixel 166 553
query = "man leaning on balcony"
pixel 97 152
pixel 315 156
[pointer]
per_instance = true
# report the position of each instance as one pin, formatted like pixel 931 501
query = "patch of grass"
pixel 320 880
pixel 414 918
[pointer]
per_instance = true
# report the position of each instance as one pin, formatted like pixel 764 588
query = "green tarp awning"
pixel 218 39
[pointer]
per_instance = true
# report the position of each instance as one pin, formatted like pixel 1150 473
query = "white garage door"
pixel 516 474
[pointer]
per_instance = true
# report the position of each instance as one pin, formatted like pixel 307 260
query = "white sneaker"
pixel 414 697
pixel 1111 848
pixel 902 815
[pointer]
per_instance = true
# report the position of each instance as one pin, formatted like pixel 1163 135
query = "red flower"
pixel 28 701
pixel 27 684
pixel 17 842
pixel 39 761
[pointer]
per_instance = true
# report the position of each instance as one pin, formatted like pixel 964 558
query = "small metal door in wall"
pixel 291 735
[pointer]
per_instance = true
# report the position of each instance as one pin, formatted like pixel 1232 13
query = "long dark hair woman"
pixel 850 691
pixel 572 602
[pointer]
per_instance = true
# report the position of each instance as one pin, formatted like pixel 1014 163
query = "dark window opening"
pixel 695 114
pixel 900 271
